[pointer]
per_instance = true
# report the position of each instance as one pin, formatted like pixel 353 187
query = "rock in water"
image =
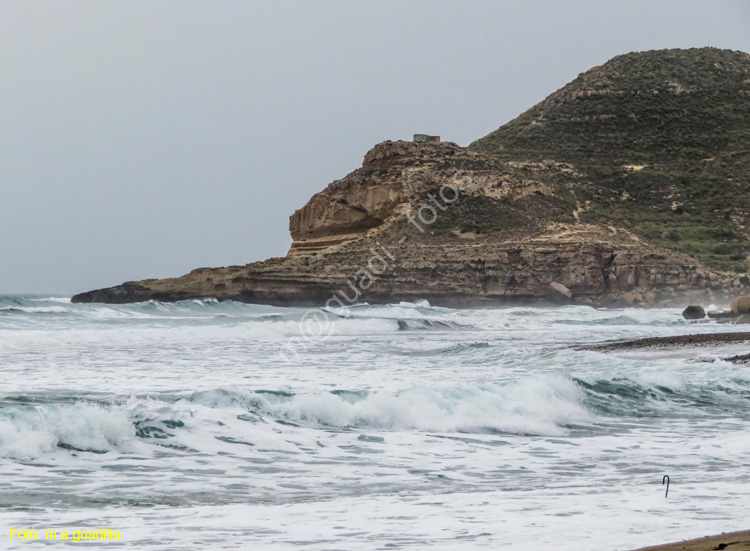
pixel 740 305
pixel 723 314
pixel 559 293
pixel 694 312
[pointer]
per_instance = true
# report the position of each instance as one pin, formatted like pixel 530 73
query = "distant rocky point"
pixel 629 186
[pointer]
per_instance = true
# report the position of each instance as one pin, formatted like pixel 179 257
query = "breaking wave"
pixel 542 406
pixel 29 431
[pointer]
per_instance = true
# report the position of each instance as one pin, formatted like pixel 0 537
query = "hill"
pixel 661 140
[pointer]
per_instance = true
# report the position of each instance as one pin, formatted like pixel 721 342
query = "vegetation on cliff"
pixel 660 142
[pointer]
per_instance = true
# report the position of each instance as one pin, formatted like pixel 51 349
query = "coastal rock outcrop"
pixel 561 204
pixel 366 198
pixel 444 232
pixel 694 312
pixel 740 305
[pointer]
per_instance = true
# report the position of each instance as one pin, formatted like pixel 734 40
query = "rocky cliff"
pixel 628 186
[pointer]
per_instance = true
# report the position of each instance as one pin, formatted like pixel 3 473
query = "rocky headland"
pixel 629 186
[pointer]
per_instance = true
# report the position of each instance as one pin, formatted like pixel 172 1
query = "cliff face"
pixel 521 209
pixel 366 198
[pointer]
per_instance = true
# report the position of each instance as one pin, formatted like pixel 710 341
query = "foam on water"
pixel 407 424
pixel 26 432
pixel 543 406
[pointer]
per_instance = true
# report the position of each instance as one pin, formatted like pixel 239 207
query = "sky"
pixel 144 139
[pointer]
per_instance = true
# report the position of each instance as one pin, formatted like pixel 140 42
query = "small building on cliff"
pixel 424 138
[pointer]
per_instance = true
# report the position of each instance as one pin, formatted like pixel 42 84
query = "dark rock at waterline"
pixel 740 359
pixel 723 314
pixel 694 312
pixel 120 294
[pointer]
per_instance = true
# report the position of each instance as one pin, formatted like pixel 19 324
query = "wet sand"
pixel 733 541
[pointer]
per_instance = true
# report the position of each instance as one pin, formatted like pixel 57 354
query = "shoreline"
pixel 699 339
pixel 733 541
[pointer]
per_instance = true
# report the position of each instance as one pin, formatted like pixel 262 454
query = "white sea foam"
pixel 26 432
pixel 544 407
pixel 540 406
pixel 35 309
pixel 63 300
pixel 408 424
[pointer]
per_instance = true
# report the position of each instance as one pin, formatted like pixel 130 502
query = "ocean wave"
pixel 542 406
pixel 62 300
pixel 621 319
pixel 429 324
pixel 441 350
pixel 35 309
pixel 664 394
pixel 26 432
pixel 233 318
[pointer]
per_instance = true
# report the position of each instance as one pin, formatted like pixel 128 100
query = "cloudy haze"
pixel 144 139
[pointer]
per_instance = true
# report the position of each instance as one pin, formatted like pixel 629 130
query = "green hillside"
pixel 659 143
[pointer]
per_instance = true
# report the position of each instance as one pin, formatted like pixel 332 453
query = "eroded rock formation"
pixel 496 224
pixel 481 247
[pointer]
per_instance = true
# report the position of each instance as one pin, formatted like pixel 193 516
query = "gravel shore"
pixel 669 342
pixel 733 541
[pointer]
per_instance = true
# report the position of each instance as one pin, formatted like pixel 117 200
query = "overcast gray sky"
pixel 144 139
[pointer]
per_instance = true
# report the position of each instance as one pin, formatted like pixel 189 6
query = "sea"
pixel 221 425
